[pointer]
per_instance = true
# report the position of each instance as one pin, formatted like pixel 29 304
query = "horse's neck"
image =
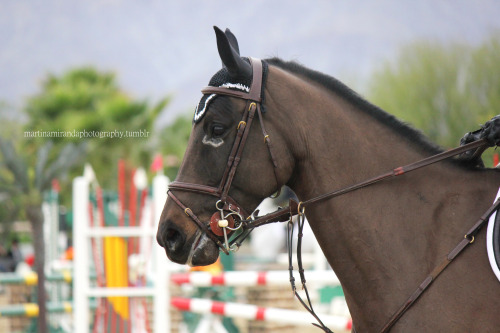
pixel 383 239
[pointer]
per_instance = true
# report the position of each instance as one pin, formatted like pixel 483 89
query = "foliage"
pixel 23 179
pixel 10 205
pixel 173 142
pixel 85 105
pixel 444 90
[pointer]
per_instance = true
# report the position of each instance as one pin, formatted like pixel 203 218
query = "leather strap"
pixel 225 91
pixel 204 189
pixel 234 161
pixel 204 228
pixel 283 214
pixel 255 88
pixel 242 127
pixel 197 188
pixel 267 140
pixel 468 239
pixel 399 171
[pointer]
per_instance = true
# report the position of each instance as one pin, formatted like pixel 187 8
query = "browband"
pixel 255 88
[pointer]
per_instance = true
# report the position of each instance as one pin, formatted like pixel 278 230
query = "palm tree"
pixel 84 99
pixel 25 183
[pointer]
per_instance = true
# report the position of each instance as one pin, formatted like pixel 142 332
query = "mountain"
pixel 160 47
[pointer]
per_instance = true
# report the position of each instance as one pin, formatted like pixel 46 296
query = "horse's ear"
pixel 236 66
pixel 232 40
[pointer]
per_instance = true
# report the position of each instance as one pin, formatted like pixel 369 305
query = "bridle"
pixel 223 221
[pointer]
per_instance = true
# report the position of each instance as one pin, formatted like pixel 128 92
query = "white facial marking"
pixel 214 142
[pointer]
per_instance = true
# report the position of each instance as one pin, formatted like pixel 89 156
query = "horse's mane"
pixel 411 134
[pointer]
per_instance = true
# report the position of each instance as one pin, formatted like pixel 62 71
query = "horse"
pixel 315 135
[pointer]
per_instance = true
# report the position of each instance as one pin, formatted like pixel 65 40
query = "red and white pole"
pixel 252 312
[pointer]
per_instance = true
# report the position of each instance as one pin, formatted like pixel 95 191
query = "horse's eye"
pixel 217 130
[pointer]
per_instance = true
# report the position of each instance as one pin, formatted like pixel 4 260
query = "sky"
pixel 167 48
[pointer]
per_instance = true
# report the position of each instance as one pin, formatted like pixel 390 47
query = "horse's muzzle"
pixel 198 250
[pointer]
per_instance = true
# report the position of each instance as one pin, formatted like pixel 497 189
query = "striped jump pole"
pixel 31 278
pixel 252 312
pixel 31 309
pixel 250 278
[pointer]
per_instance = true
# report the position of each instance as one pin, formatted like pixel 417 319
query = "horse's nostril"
pixel 173 240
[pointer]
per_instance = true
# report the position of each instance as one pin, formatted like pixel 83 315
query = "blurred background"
pixel 70 68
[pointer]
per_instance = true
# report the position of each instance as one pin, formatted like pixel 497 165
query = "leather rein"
pixel 230 216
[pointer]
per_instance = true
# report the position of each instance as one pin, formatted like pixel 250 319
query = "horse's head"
pixel 229 166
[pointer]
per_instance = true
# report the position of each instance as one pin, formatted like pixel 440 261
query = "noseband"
pixel 226 207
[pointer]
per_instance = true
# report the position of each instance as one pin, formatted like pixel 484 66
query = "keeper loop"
pixel 299 210
pixel 241 123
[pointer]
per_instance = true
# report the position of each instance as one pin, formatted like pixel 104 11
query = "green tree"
pixel 173 142
pixel 85 102
pixel 10 206
pixel 444 90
